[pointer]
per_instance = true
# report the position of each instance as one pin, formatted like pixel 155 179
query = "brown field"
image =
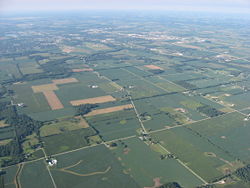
pixel 65 81
pixel 53 100
pixel 94 100
pixel 109 110
pixel 82 122
pixel 82 70
pixel 153 67
pixel 44 88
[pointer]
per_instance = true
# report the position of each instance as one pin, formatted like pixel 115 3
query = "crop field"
pixel 199 154
pixel 153 67
pixel 67 140
pixel 65 81
pixel 35 173
pixel 115 125
pixel 109 110
pixel 35 102
pixel 45 87
pixel 53 100
pixel 82 70
pixel 93 167
pixel 124 101
pixel 30 67
pixel 94 100
pixel 9 177
pixel 229 132
pixel 137 159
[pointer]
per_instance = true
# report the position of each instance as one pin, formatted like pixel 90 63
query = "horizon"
pixel 29 6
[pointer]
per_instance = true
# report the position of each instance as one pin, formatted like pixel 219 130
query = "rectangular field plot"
pixel 94 100
pixel 94 167
pixel 44 87
pixel 35 174
pixel 65 81
pixel 77 91
pixel 115 125
pixel 145 165
pixel 109 110
pixel 230 132
pixel 53 100
pixel 196 152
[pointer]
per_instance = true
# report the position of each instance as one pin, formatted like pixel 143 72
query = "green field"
pixel 229 132
pixel 195 151
pixel 67 140
pixel 35 174
pixel 144 165
pixel 115 125
pixel 93 167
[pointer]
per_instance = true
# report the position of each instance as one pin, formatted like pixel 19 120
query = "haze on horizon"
pixel 230 6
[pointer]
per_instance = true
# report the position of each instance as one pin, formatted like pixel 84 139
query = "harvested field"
pixel 53 100
pixel 82 70
pixel 65 81
pixel 109 110
pixel 67 49
pixel 154 67
pixel 44 88
pixel 94 100
pixel 82 122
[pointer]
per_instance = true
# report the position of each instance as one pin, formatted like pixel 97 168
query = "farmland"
pixel 124 101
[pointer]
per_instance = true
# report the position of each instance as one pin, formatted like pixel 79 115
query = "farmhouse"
pixel 52 162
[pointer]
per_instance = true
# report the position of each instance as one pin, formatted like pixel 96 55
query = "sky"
pixel 240 6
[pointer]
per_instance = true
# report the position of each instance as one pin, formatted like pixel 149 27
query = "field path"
pixel 17 176
pixel 183 164
pixel 52 179
pixel 71 166
pixel 83 175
